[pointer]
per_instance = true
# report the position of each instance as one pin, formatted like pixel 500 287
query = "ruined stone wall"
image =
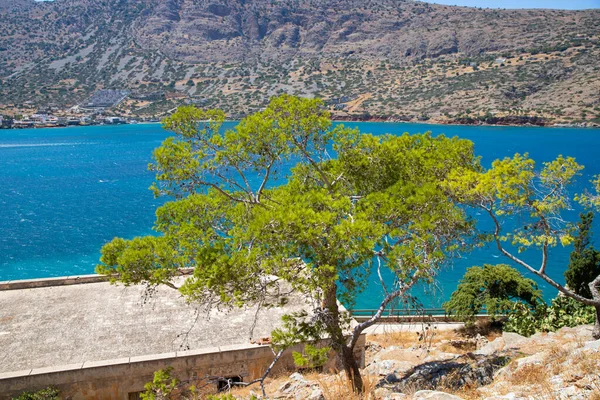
pixel 117 379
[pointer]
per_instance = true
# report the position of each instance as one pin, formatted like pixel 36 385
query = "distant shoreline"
pixel 500 121
pixel 372 119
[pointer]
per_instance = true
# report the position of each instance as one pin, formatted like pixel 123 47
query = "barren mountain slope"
pixel 248 50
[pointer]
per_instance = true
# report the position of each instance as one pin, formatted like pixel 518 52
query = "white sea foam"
pixel 11 145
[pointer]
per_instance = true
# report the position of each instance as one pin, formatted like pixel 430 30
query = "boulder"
pixel 508 396
pixel 434 395
pixel 316 394
pixel 382 393
pixel 537 358
pixel 296 376
pixel 512 339
pixel 491 348
pixel 386 367
pixel 468 370
pixel 594 345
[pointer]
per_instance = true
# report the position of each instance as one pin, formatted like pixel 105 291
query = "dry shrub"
pixel 406 339
pixel 556 357
pixel 530 374
pixel 595 394
pixel 272 384
pixel 586 363
pixel 401 339
pixel 466 392
pixel 490 329
pixel 339 388
pixel 451 348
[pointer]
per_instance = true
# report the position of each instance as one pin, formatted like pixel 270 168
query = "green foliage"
pixel 161 387
pixel 494 287
pixel 297 327
pixel 44 394
pixel 533 201
pixel 584 265
pixel 564 311
pixel 513 188
pixel 247 230
pixel 227 396
pixel 312 357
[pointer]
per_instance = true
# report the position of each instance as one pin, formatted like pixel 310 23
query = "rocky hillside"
pixel 398 58
pixel 447 365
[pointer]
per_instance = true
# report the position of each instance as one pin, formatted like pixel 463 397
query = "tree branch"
pixel 358 329
pixel 540 272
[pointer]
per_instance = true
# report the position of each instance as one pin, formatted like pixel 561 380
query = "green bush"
pixel 161 387
pixel 564 311
pixel 312 357
pixel 45 394
pixel 497 288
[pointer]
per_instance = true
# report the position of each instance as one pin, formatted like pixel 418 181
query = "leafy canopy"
pixel 494 287
pixel 265 208
pixel 512 188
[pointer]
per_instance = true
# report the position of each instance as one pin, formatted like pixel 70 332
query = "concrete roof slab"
pixel 15 374
pixel 87 323
pixel 57 368
pixel 106 363
pixel 152 357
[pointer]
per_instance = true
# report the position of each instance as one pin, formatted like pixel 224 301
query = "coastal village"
pixel 97 110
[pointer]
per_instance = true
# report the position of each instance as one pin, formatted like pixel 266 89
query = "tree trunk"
pixel 594 289
pixel 351 369
pixel 339 341
pixel 596 331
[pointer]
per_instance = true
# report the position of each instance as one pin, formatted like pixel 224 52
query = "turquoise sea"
pixel 64 192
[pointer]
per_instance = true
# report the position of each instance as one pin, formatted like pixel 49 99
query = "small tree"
pixel 495 287
pixel 247 228
pixel 513 194
pixel 584 263
pixel 44 394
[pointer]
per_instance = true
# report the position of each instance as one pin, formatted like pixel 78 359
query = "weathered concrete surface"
pixel 384 327
pixel 96 340
pixel 74 324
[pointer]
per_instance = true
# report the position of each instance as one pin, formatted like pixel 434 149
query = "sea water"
pixel 64 192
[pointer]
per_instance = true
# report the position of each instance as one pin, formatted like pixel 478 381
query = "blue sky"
pixel 561 4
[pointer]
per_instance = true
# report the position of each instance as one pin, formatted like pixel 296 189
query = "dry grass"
pixel 491 330
pixel 530 374
pixel 467 393
pixel 272 383
pixel 405 339
pixel 595 394
pixel 556 357
pixel 338 387
pixel 586 363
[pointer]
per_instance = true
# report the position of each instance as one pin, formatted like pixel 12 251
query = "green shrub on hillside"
pixel 563 312
pixel 497 288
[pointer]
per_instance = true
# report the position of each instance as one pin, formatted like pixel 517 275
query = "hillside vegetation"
pixel 381 58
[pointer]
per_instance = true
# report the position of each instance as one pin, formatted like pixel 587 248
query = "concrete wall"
pixel 47 282
pixel 63 281
pixel 116 379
